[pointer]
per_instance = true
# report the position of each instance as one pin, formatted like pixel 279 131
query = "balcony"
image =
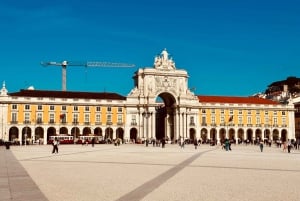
pixel 98 123
pixel 51 121
pixel 204 124
pixel 240 125
pixel 192 124
pixel 249 125
pixel 39 121
pixel 120 123
pixel 109 123
pixel 87 123
pixel 133 124
pixel 222 124
pixel 14 122
pixel 26 122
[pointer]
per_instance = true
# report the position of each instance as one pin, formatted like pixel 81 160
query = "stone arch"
pixel 165 116
pixel 249 135
pixel 39 133
pixel 109 133
pixel 241 136
pixel 120 133
pixel 203 135
pixel 86 131
pixel 192 134
pixel 284 135
pixel 133 134
pixel 213 135
pixel 63 130
pixel 275 135
pixel 222 135
pixel 13 134
pixel 231 135
pixel 75 131
pixel 51 131
pixel 98 131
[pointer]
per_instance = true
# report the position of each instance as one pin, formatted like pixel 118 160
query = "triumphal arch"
pixel 161 105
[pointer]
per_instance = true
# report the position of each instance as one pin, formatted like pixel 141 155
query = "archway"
pixel 133 134
pixel 39 134
pixel 63 131
pixel 120 133
pixel 86 131
pixel 165 117
pixel 13 134
pixel 26 135
pixel 241 135
pixel 192 134
pixel 250 135
pixel 276 135
pixel 109 133
pixel 258 135
pixel 51 131
pixel 98 131
pixel 75 131
pixel 222 135
pixel 203 135
pixel 284 136
pixel 231 134
pixel 213 135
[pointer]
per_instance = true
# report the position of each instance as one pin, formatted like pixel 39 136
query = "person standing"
pixel 261 146
pixel 55 146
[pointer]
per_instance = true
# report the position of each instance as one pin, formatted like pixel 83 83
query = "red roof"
pixel 67 94
pixel 238 100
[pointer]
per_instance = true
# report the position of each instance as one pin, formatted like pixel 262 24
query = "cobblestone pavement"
pixel 132 172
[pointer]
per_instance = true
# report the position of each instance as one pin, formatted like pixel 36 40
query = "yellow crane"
pixel 64 65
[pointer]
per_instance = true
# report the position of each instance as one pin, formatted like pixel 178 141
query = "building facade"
pixel 160 105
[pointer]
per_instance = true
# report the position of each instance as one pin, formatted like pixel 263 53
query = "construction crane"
pixel 64 65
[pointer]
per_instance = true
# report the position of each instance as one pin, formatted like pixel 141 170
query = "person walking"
pixel 195 143
pixel 261 146
pixel 55 146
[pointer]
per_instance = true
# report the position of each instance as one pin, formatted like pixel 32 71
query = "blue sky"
pixel 228 47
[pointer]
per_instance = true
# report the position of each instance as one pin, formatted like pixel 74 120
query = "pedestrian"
pixel 289 146
pixel 181 142
pixel 261 146
pixel 55 146
pixel 195 143
pixel 163 142
pixel 93 142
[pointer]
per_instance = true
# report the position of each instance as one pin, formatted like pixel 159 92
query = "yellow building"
pixel 160 105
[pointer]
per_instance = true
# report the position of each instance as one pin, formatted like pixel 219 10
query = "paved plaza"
pixel 133 172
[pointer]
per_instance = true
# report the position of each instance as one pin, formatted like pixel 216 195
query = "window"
pixel 213 111
pixel 240 120
pixel 52 107
pixel 14 117
pixel 40 107
pixel 120 118
pixel 257 120
pixel 75 108
pixel 39 118
pixel 213 120
pixel 241 112
pixel 222 111
pixel 133 120
pixel 266 112
pixel 222 120
pixel 27 117
pixel 98 118
pixel 27 107
pixel 249 112
pixel 283 113
pixel 192 120
pixel 249 120
pixel 51 118
pixel 86 118
pixel 120 109
pixel 98 108
pixel 283 121
pixel 108 117
pixel 275 112
pixel 14 107
pixel 203 119
pixel 231 111
pixel 257 112
pixel 63 108
pixel 109 109
pixel 75 118
pixel 86 108
pixel 203 111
